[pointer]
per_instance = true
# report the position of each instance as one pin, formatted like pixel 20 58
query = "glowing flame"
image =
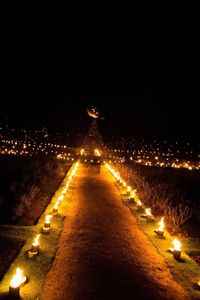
pixel 177 245
pixel 128 189
pixel 36 240
pixel 162 225
pixel 148 211
pixel 97 153
pixel 124 183
pixel 18 278
pixel 47 219
pixel 133 193
pixel 82 151
pixel 56 205
pixel 61 197
pixel 64 191
pixel 139 203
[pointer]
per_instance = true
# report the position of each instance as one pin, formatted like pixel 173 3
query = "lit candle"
pixel 64 190
pixel 132 195
pixel 176 250
pixel 148 213
pixel 160 230
pixel 124 183
pixel 35 247
pixel 47 224
pixel 128 191
pixel 139 203
pixel 17 281
pixel 55 209
pixel 61 197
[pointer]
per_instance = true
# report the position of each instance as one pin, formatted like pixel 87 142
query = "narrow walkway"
pixel 102 254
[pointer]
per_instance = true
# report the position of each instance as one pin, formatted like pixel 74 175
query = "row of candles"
pixel 176 249
pixel 18 280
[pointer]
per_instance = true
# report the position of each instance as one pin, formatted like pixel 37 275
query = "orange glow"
pixel 61 197
pixel 162 225
pixel 148 212
pixel 177 245
pixel 17 279
pixel 36 240
pixel 139 203
pixel 97 153
pixel 47 219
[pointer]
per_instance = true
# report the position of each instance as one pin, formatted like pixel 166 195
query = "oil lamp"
pixel 176 250
pixel 128 191
pixel 35 247
pixel 16 282
pixel 61 197
pixel 55 209
pixel 124 184
pixel 148 214
pixel 139 203
pixel 132 195
pixel 47 224
pixel 64 190
pixel 160 230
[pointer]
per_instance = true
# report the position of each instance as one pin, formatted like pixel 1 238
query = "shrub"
pixel 178 215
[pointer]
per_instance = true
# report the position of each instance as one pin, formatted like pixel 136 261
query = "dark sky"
pixel 138 64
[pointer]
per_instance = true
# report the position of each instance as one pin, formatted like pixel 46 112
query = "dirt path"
pixel 102 254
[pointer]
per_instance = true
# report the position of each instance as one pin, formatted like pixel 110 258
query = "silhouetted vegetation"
pixel 9 249
pixel 174 193
pixel 24 182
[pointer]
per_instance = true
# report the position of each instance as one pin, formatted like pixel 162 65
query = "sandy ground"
pixel 102 254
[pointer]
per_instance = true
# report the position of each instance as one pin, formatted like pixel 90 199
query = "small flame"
pixel 148 211
pixel 64 191
pixel 82 151
pixel 18 278
pixel 36 240
pixel 124 183
pixel 133 193
pixel 56 205
pixel 177 245
pixel 47 219
pixel 128 189
pixel 162 225
pixel 139 203
pixel 61 197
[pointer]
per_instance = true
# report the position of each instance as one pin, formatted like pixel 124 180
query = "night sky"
pixel 137 64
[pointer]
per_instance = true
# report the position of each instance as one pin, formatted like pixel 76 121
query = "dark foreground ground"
pixel 102 254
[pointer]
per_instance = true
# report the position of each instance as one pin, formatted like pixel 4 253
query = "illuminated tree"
pixel 93 139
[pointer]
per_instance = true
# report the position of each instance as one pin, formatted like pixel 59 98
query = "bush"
pixel 178 215
pixel 158 190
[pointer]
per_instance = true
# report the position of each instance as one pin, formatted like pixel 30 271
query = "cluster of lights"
pixel 157 153
pixel 176 250
pixel 177 164
pixel 128 190
pixel 24 148
pixel 18 278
